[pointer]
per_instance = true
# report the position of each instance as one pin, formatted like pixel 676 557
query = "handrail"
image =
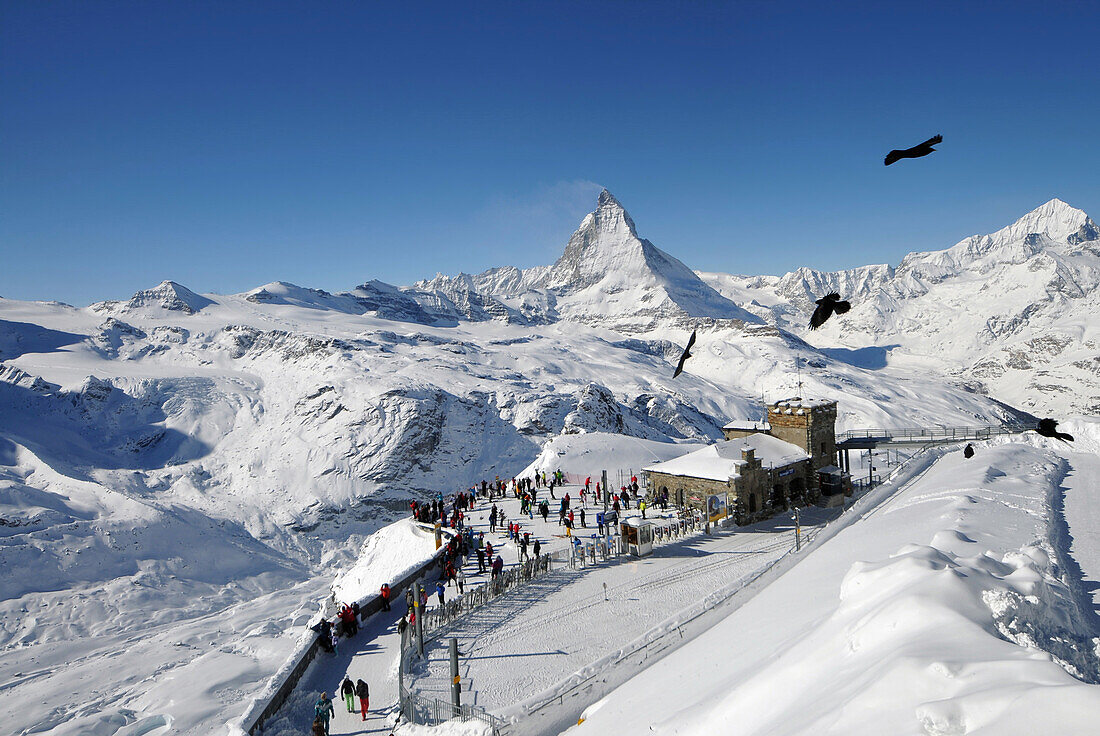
pixel 963 432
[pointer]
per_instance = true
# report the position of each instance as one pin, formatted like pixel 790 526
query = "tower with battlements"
pixel 807 423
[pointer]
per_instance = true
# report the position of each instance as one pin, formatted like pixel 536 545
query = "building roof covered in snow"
pixel 721 461
pixel 748 424
pixel 793 405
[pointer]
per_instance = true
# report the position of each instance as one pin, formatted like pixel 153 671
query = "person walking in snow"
pixel 439 591
pixel 364 697
pixel 480 560
pixel 523 548
pixel 582 519
pixel 385 593
pixel 347 690
pixel 460 578
pixel 537 547
pixel 323 710
pixel 493 519
pixel 335 643
pixel 641 506
pixel 498 566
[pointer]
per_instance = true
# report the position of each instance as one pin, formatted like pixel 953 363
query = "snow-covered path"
pixel 372 654
pixel 534 638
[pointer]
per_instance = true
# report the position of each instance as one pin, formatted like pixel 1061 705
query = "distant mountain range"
pixel 186 452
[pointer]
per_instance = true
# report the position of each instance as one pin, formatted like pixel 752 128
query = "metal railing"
pixel 433 711
pixel 917 434
pixel 510 579
pixel 420 709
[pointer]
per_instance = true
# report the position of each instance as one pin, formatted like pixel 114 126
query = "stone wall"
pixel 811 428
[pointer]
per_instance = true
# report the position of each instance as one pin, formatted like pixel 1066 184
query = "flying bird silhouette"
pixel 1049 428
pixel 968 451
pixel 915 152
pixel 685 356
pixel 826 305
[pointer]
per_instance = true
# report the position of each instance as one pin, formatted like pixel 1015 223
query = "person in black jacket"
pixel 347 689
pixel 364 697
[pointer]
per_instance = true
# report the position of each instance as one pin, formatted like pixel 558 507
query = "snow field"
pixel 941 611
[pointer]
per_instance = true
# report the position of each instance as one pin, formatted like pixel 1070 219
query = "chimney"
pixel 748 455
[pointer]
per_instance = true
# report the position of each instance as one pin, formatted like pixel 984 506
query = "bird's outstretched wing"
pixel 933 140
pixel 841 307
pixel 685 356
pixel 821 314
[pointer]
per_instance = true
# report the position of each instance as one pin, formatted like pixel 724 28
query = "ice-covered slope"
pixel 1013 310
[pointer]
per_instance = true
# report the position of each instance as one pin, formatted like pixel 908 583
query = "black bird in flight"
pixel 1049 428
pixel 915 152
pixel 968 451
pixel 685 356
pixel 826 305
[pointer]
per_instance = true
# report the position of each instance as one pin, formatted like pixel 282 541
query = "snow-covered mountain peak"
pixel 609 275
pixel 1051 226
pixel 166 296
pixel 1055 220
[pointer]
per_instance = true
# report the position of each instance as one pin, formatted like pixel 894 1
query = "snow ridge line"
pixel 522 716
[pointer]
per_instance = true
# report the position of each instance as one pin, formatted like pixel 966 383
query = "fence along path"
pixel 492 604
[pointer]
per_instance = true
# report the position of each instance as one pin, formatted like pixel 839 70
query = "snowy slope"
pixel 945 609
pixel 1012 311
pixel 180 455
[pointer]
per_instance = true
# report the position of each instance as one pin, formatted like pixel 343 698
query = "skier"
pixel 385 592
pixel 347 689
pixel 364 697
pixel 323 710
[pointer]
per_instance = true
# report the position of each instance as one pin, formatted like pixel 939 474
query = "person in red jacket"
pixel 385 593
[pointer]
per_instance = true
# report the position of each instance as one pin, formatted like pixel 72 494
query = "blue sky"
pixel 225 145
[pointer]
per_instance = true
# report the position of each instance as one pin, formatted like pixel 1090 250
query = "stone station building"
pixel 761 468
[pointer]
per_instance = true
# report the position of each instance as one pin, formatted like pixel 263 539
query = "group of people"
pixel 323 710
pixel 457 552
